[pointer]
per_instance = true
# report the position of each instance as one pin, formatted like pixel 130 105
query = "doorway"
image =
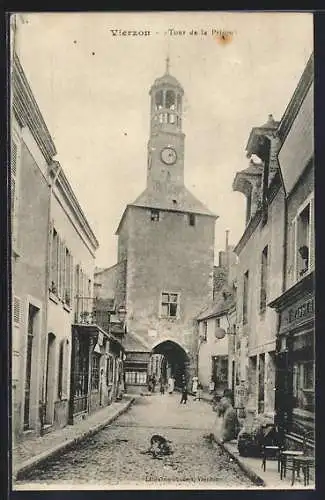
pixel 50 379
pixel 32 312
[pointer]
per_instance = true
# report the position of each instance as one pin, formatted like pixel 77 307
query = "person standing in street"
pixel 199 391
pixel 171 383
pixel 194 386
pixel 162 386
pixel 184 394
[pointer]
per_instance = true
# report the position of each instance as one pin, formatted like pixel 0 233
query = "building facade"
pixel 216 326
pixel 295 396
pixel 166 238
pixel 260 268
pixel 72 248
pixel 32 152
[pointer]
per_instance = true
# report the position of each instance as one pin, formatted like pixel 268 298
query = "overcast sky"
pixel 92 89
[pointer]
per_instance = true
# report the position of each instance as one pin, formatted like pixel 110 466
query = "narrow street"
pixel 114 456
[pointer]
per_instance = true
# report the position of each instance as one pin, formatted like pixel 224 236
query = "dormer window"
pixel 155 215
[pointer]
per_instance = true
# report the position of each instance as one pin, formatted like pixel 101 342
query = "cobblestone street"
pixel 113 457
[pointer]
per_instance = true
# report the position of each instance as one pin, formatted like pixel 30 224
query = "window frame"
pixel 308 201
pixel 161 304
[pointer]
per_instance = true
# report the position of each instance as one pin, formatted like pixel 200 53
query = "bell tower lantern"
pixel 166 142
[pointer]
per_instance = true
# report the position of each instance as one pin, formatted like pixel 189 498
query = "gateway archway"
pixel 173 362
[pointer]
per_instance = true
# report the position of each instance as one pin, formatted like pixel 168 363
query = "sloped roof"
pixel 176 198
pixel 222 303
pixel 132 343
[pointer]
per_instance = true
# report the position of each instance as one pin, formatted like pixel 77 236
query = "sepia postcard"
pixel 163 256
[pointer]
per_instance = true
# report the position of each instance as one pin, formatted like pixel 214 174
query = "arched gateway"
pixel 168 358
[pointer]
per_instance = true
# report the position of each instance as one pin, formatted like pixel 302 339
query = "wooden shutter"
pixel 71 282
pixel 312 236
pixel 16 310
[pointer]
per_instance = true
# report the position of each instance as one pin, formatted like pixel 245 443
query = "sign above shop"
pixel 297 314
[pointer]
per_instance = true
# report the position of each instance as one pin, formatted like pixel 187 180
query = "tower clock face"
pixel 169 156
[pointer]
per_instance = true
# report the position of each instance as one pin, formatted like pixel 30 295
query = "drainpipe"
pixel 51 186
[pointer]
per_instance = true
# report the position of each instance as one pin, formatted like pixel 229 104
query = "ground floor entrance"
pixel 174 362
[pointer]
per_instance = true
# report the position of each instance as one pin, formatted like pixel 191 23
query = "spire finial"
pixel 167 64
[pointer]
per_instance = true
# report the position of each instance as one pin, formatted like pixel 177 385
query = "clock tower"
pixel 164 274
pixel 166 142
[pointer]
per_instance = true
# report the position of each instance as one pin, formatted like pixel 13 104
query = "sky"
pixel 93 91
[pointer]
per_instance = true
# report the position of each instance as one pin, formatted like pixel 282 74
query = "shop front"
pixel 295 361
pixel 96 370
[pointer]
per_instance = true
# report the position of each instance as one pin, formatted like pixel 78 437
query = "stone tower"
pixel 166 239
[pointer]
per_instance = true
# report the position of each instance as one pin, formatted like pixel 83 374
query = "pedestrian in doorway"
pixel 211 386
pixel 150 384
pixel 194 386
pixel 153 382
pixel 199 391
pixel 184 395
pixel 171 384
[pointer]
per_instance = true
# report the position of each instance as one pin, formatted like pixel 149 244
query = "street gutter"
pixel 255 478
pixel 44 457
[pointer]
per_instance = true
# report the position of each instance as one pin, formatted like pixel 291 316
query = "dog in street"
pixel 159 447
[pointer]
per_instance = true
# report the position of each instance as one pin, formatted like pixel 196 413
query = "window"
pixel 155 215
pixel 245 297
pixel 303 233
pixel 95 372
pixel 169 305
pixel 134 377
pixel 264 279
pixel 304 385
pixel 191 219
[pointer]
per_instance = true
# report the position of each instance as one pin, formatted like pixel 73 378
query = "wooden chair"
pixel 289 460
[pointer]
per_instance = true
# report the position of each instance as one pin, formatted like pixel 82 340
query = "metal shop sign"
pixel 299 313
pixel 240 395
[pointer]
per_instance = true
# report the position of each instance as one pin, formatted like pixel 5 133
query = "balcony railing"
pixel 90 311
